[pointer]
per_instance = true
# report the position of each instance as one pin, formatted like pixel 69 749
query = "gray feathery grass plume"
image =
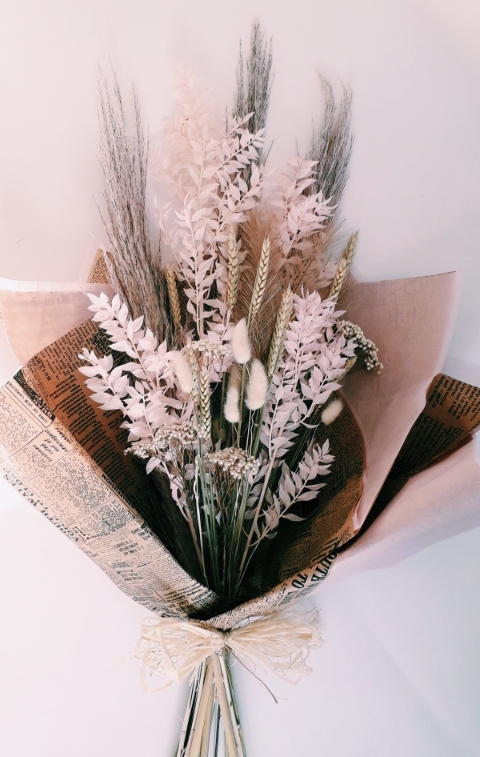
pixel 331 147
pixel 254 95
pixel 134 268
pixel 332 144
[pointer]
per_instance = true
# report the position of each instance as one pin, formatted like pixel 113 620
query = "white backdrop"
pixel 399 672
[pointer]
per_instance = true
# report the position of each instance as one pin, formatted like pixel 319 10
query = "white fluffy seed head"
pixel 231 409
pixel 234 377
pixel 257 386
pixel 240 344
pixel 331 412
pixel 182 371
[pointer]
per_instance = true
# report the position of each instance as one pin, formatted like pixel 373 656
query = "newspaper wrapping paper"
pixel 66 457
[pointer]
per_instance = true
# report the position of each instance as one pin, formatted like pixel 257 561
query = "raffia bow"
pixel 278 643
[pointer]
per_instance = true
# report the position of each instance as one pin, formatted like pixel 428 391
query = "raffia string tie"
pixel 278 643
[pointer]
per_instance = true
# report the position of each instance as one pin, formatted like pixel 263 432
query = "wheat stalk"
pixel 173 297
pixel 260 281
pixel 278 338
pixel 233 269
pixel 204 403
pixel 343 266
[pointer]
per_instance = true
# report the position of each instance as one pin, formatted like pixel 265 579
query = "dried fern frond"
pixel 134 268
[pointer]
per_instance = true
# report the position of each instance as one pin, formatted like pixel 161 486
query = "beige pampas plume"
pixel 231 408
pixel 182 371
pixel 331 412
pixel 240 343
pixel 257 386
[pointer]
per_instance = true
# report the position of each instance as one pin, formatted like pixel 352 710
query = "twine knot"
pixel 279 643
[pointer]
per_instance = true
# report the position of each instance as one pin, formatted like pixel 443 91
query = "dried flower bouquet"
pixel 201 448
pixel 234 350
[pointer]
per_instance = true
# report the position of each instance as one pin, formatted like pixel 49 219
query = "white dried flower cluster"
pixel 234 461
pixel 365 347
pixel 212 350
pixel 180 433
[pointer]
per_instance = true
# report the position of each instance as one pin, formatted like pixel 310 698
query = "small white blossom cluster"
pixel 366 348
pixel 183 433
pixel 237 462
pixel 212 350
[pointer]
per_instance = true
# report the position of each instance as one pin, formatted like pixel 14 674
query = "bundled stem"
pixel 211 692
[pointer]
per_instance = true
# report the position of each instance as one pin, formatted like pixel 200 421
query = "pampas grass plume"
pixel 257 386
pixel 182 371
pixel 240 344
pixel 331 412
